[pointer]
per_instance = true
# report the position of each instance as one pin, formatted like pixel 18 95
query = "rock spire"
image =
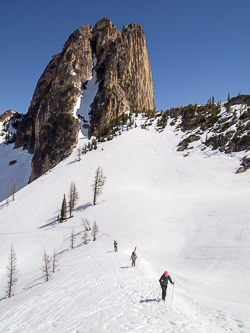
pixel 49 129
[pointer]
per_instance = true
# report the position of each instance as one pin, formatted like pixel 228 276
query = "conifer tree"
pixel 12 273
pixel 84 149
pixel 228 106
pixel 73 197
pixel 14 189
pixel 85 236
pixel 94 143
pixel 63 209
pixel 46 267
pixel 72 239
pixel 95 230
pixel 98 184
pixel 54 261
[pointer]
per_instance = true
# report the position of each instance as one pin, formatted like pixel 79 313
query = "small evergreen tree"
pixel 54 261
pixel 94 143
pixel 228 106
pixel 99 182
pixel 12 273
pixel 85 236
pixel 84 149
pixel 73 197
pixel 72 239
pixel 95 231
pixel 63 209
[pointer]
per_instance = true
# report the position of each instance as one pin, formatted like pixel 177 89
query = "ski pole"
pixel 173 293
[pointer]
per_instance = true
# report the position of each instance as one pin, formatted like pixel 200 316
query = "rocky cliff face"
pixel 123 71
pixel 49 129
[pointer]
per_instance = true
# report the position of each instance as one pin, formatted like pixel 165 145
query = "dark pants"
pixel 133 262
pixel 164 292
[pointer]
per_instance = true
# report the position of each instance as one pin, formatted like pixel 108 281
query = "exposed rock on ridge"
pixel 49 129
pixel 6 115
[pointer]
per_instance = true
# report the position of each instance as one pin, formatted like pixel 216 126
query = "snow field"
pixel 188 215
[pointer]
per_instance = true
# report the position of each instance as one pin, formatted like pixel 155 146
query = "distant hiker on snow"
pixel 164 283
pixel 133 257
pixel 115 245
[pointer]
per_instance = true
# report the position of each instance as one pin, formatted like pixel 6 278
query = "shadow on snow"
pixel 147 300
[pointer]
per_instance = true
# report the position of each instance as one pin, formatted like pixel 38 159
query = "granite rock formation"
pixel 6 115
pixel 49 130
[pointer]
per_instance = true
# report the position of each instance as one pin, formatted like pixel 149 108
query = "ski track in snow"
pixel 112 296
pixel 187 215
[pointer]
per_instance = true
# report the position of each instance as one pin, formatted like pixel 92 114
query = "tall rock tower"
pixel 123 73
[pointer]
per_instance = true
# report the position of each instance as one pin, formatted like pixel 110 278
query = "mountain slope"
pixel 188 215
pixel 20 170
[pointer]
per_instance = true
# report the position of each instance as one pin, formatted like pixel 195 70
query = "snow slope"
pixel 189 215
pixel 20 171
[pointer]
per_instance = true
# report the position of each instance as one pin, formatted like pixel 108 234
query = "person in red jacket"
pixel 164 283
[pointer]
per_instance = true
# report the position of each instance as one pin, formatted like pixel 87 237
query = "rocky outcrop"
pixel 49 130
pixel 123 71
pixel 6 115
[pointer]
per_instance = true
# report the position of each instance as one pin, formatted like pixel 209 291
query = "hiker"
pixel 164 283
pixel 115 245
pixel 133 257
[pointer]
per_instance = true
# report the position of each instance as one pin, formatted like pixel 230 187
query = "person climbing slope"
pixel 133 257
pixel 164 283
pixel 115 245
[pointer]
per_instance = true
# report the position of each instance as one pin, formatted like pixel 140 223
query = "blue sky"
pixel 197 49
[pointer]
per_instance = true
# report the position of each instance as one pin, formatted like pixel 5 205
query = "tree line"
pixel 50 263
